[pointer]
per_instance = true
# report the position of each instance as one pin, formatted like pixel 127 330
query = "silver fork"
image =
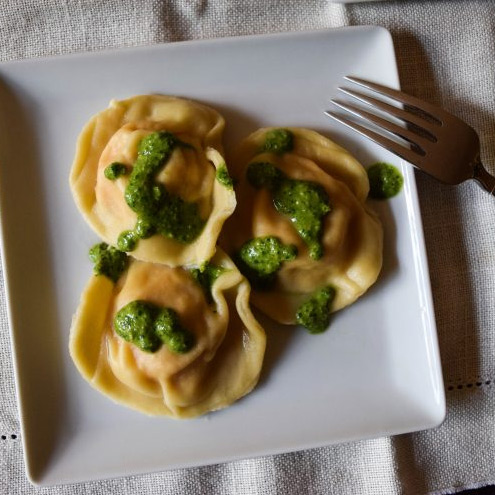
pixel 443 145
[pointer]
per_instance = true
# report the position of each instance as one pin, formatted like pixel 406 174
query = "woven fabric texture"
pixel 446 54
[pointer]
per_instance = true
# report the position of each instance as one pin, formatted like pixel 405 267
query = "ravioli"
pixel 222 366
pixel 302 205
pixel 169 210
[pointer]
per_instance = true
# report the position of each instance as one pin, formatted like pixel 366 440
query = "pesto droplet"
pixel 127 241
pixel 148 327
pixel 179 220
pixel 168 328
pixel 158 210
pixel 385 181
pixel 314 314
pixel 278 141
pixel 108 261
pixel 206 276
pixel 222 176
pixel 264 175
pixel 305 203
pixel 260 258
pixel 115 170
pixel 144 228
pixel 154 150
pixel 134 323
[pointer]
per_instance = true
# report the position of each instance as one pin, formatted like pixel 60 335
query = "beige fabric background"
pixel 446 54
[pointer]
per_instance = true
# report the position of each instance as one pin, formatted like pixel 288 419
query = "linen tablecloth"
pixel 446 54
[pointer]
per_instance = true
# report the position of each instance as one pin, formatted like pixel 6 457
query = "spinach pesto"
pixel 222 176
pixel 314 314
pixel 385 181
pixel 127 240
pixel 158 211
pixel 148 327
pixel 108 261
pixel 134 323
pixel 260 258
pixel 278 141
pixel 305 203
pixel 115 170
pixel 205 276
pixel 172 333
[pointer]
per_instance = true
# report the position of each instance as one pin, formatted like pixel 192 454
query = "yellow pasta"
pixel 222 366
pixel 173 208
pixel 346 258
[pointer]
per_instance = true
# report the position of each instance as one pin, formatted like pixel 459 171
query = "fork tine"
pixel 394 111
pixel 409 155
pixel 402 132
pixel 436 112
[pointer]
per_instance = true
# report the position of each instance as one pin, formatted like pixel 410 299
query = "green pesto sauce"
pixel 178 220
pixel 264 175
pixel 278 141
pixel 224 178
pixel 127 240
pixel 385 181
pixel 134 323
pixel 206 276
pixel 260 258
pixel 148 327
pixel 314 314
pixel 305 203
pixel 168 328
pixel 144 228
pixel 158 210
pixel 115 170
pixel 108 261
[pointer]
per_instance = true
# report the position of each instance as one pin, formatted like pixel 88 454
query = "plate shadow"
pixel 28 272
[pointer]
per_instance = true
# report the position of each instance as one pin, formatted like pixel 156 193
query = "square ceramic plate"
pixel 375 372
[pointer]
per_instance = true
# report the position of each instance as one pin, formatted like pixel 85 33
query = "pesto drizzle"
pixel 314 314
pixel 115 170
pixel 205 276
pixel 158 210
pixel 385 181
pixel 148 327
pixel 108 261
pixel 134 323
pixel 222 176
pixel 305 203
pixel 172 333
pixel 278 141
pixel 127 240
pixel 260 258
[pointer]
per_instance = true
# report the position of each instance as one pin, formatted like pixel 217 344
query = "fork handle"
pixel 483 177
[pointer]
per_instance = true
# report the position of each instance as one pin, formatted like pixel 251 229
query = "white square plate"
pixel 375 372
